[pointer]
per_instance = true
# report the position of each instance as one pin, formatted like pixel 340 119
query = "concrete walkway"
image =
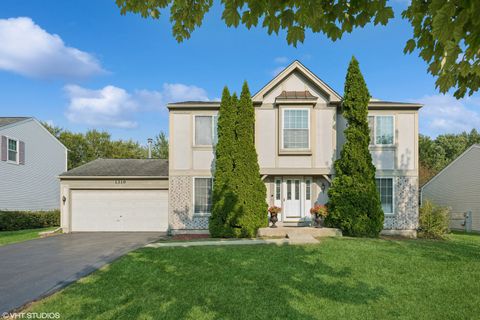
pixel 216 243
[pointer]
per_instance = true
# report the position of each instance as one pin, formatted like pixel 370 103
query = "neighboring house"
pixel 31 160
pixel 298 136
pixel 458 186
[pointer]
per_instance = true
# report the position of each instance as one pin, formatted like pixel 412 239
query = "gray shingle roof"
pixel 121 168
pixel 4 121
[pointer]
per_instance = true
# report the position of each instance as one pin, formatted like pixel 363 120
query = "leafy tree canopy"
pixel 94 144
pixel 446 33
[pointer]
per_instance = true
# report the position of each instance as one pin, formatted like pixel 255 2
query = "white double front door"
pixel 293 194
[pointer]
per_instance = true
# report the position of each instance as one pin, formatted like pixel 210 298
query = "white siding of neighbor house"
pixel 34 185
pixel 458 186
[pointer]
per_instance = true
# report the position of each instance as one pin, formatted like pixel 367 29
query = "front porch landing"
pixel 284 232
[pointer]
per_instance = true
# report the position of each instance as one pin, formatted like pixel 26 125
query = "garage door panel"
pixel 119 210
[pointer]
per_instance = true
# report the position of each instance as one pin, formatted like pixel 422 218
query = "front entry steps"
pixel 284 232
pixel 300 238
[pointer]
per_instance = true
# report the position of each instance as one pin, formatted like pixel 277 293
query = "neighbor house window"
pixel 385 189
pixel 12 150
pixel 202 195
pixel 296 128
pixel 381 130
pixel 205 130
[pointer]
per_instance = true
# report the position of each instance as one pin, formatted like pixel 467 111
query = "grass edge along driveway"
pixel 7 237
pixel 338 278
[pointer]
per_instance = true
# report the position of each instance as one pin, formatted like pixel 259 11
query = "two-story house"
pixel 30 161
pixel 298 136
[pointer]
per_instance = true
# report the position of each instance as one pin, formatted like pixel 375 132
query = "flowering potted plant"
pixel 274 210
pixel 319 211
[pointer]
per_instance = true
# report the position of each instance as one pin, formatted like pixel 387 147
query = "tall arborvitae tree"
pixel 251 208
pixel 354 203
pixel 223 198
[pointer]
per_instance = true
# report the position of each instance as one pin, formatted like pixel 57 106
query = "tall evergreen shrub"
pixel 251 208
pixel 223 197
pixel 354 202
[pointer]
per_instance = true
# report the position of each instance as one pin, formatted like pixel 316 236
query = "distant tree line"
pixel 436 154
pixel 94 144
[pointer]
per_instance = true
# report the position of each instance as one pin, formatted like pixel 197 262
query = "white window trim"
pixel 283 128
pixel 374 142
pixel 199 214
pixel 393 194
pixel 8 150
pixel 213 129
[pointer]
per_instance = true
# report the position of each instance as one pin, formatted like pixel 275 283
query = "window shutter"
pixel 21 152
pixel 4 150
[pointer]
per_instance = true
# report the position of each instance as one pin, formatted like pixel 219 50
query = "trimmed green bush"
pixel 20 220
pixel 433 221
pixel 354 203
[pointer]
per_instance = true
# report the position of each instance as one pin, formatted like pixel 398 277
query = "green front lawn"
pixel 7 237
pixel 340 278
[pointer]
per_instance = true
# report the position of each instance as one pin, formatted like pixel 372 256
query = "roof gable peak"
pixel 296 65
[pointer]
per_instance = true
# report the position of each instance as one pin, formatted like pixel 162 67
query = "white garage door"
pixel 119 210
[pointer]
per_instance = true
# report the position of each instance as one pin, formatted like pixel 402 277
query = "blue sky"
pixel 80 65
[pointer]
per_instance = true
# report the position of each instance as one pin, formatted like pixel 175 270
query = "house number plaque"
pixel 120 181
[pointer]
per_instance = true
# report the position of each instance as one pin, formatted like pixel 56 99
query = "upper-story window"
pixel 205 130
pixel 381 130
pixel 12 145
pixel 296 128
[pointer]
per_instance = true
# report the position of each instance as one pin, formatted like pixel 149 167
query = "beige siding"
pixel 294 82
pixel 187 158
pixel 265 122
pixel 405 130
pixel 324 151
pixel 182 141
pixel 458 186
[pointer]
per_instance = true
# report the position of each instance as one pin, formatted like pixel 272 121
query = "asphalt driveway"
pixel 32 269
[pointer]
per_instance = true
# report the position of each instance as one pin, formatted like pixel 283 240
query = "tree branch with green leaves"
pixel 445 33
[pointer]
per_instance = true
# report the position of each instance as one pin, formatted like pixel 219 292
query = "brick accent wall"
pixel 406 205
pixel 180 213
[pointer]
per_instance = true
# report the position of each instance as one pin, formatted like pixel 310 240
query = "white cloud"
pixel 109 106
pixel 29 50
pixel 115 107
pixel 445 114
pixel 281 60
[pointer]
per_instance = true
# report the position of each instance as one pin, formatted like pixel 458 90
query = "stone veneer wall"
pixel 406 205
pixel 180 215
